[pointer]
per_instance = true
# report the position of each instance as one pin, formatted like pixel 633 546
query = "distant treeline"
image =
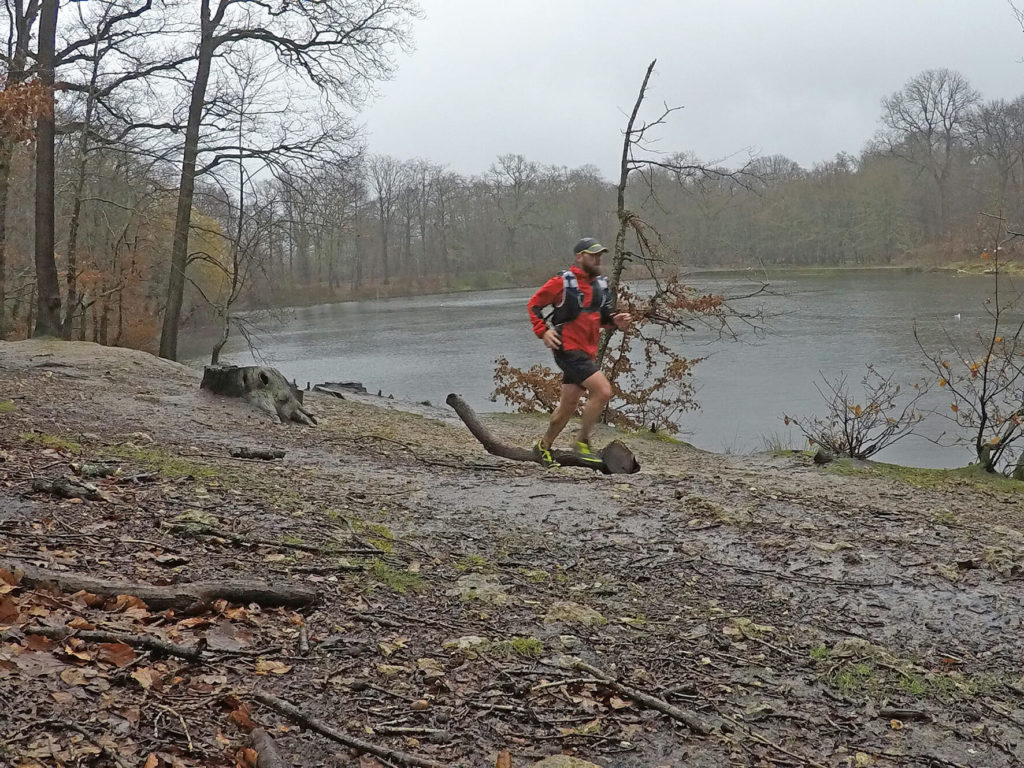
pixel 363 225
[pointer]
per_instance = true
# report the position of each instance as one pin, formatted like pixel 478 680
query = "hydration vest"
pixel 571 305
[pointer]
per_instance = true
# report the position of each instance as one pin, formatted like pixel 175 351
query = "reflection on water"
pixel 424 347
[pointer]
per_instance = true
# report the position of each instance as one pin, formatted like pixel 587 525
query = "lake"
pixel 422 348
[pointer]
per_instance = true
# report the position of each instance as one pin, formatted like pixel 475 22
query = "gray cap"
pixel 588 245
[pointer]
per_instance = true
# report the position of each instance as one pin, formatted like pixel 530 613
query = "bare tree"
pixel 47 287
pixel 925 123
pixel 513 179
pixel 337 46
pixel 21 18
pixel 385 177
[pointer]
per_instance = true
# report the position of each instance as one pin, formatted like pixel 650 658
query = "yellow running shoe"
pixel 583 453
pixel 543 455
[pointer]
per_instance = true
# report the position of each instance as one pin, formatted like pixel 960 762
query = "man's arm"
pixel 549 293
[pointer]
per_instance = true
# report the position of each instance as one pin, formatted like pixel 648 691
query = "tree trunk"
pixel 186 191
pixel 619 258
pixel 6 154
pixel 174 596
pixel 48 286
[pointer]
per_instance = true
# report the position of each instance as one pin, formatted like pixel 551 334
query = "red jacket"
pixel 581 333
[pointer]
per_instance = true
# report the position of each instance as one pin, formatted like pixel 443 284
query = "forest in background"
pixel 288 205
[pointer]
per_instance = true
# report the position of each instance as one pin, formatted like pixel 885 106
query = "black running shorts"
pixel 577 366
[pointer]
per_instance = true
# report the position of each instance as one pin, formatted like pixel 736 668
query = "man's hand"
pixel 622 320
pixel 551 339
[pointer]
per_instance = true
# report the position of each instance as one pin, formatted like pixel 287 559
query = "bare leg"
pixel 599 392
pixel 571 394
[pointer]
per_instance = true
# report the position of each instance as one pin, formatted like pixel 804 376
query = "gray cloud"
pixel 550 79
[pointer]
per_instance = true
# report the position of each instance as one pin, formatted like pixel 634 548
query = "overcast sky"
pixel 551 79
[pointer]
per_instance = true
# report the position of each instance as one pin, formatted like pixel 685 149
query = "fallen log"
pixel 263 387
pixel 69 487
pixel 266 454
pixel 295 714
pixel 687 718
pixel 616 458
pixel 146 642
pixel 267 755
pixel 173 596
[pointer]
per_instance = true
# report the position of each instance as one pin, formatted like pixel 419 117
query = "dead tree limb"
pixel 173 596
pixel 146 642
pixel 616 458
pixel 267 755
pixel 266 454
pixel 296 715
pixel 687 718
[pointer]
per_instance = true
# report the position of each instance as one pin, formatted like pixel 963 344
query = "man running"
pixel 582 307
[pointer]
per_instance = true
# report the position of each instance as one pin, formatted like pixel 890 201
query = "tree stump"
pixel 263 387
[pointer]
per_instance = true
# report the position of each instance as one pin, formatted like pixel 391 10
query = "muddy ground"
pixel 836 616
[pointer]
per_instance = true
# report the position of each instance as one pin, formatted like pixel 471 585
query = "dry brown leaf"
pixel 38 643
pixel 247 757
pixel 240 717
pixel 268 667
pixel 152 761
pixel 8 609
pixel 79 623
pixel 87 599
pixel 75 676
pixel 118 654
pixel 504 760
pixel 616 703
pixel 124 602
pixel 10 578
pixel 420 705
pixel 146 677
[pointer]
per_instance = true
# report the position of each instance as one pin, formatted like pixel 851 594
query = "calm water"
pixel 422 348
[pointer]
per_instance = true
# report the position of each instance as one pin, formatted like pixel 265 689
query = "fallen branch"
pixel 616 458
pixel 687 718
pixel 189 529
pixel 147 642
pixel 267 755
pixel 267 454
pixel 295 714
pixel 70 488
pixel 173 596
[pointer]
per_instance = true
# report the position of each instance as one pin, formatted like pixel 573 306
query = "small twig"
pixel 769 743
pixel 689 719
pixel 303 640
pixel 147 642
pixel 560 683
pixel 294 713
pixel 184 725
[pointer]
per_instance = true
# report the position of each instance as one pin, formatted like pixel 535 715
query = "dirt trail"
pixel 836 616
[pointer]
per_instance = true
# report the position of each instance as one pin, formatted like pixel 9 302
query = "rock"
pixel 480 586
pixel 821 456
pixel 563 761
pixel 574 613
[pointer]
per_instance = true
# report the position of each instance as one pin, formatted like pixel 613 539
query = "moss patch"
pixel 51 441
pixel 6 406
pixel 920 477
pixel 166 464
pixel 395 579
